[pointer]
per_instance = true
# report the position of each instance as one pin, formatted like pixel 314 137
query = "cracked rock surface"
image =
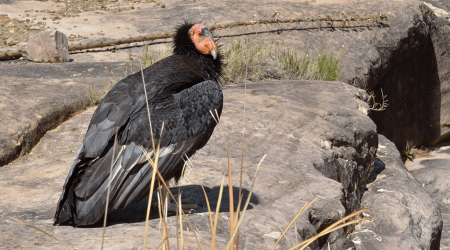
pixel 433 174
pixel 307 141
pixel 405 215
pixel 38 97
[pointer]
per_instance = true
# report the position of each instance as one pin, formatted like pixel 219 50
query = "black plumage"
pixel 181 91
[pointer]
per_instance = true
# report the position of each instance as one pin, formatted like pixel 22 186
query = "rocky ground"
pixel 21 19
pixel 318 141
pixel 307 127
pixel 431 170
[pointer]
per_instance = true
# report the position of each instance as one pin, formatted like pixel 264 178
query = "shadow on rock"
pixel 213 196
pixel 136 212
pixel 379 167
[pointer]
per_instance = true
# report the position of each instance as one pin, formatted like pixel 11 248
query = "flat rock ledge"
pixel 431 170
pixel 38 97
pixel 318 144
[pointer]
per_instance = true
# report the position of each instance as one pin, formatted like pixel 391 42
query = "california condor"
pixel 181 91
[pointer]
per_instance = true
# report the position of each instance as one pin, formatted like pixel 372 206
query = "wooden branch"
pixel 112 42
pixel 341 20
pixel 6 55
pixel 346 19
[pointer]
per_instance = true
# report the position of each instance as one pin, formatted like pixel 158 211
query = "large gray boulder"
pixel 412 70
pixel 318 144
pixel 48 46
pixel 38 97
pixel 437 17
pixel 405 215
pixel 432 171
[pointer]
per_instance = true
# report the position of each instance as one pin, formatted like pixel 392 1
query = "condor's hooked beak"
pixel 203 39
pixel 214 53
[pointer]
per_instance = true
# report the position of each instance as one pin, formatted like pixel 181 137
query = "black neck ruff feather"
pixel 211 69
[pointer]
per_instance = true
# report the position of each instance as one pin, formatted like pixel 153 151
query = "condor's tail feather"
pixel 65 207
pixel 84 196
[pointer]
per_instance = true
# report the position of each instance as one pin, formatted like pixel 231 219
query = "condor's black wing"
pixel 177 98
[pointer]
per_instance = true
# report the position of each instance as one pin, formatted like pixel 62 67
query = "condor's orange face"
pixel 203 39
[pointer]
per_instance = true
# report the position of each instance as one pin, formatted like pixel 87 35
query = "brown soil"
pixel 13 32
pixel 16 32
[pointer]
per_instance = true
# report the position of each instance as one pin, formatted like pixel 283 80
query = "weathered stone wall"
pixel 318 144
pixel 405 216
pixel 438 20
pixel 417 84
pixel 413 92
pixel 36 98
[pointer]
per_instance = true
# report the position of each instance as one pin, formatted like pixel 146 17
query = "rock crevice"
pixel 415 76
pixel 404 214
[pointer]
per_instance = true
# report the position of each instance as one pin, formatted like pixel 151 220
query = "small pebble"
pixel 10 42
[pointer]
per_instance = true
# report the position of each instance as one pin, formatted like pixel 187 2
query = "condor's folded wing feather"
pixel 188 126
pixel 185 115
pixel 127 98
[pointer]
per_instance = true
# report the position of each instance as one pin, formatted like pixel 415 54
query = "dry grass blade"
pixel 230 190
pixel 152 184
pixel 180 211
pixel 21 222
pixel 108 192
pixel 302 209
pixel 165 204
pixel 193 232
pixel 309 241
pixel 348 223
pixel 216 217
pixel 156 156
pixel 208 206
pixel 246 205
pixel 216 118
pixel 162 243
pixel 330 228
pixel 242 164
pixel 162 210
pixel 168 191
pixel 158 197
pixel 148 108
pixel 286 238
pixel 335 226
pixel 206 197
pixel 236 221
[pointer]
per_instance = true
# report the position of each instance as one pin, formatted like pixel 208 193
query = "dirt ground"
pixel 21 19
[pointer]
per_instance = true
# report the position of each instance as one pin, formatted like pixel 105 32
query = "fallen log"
pixel 339 21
